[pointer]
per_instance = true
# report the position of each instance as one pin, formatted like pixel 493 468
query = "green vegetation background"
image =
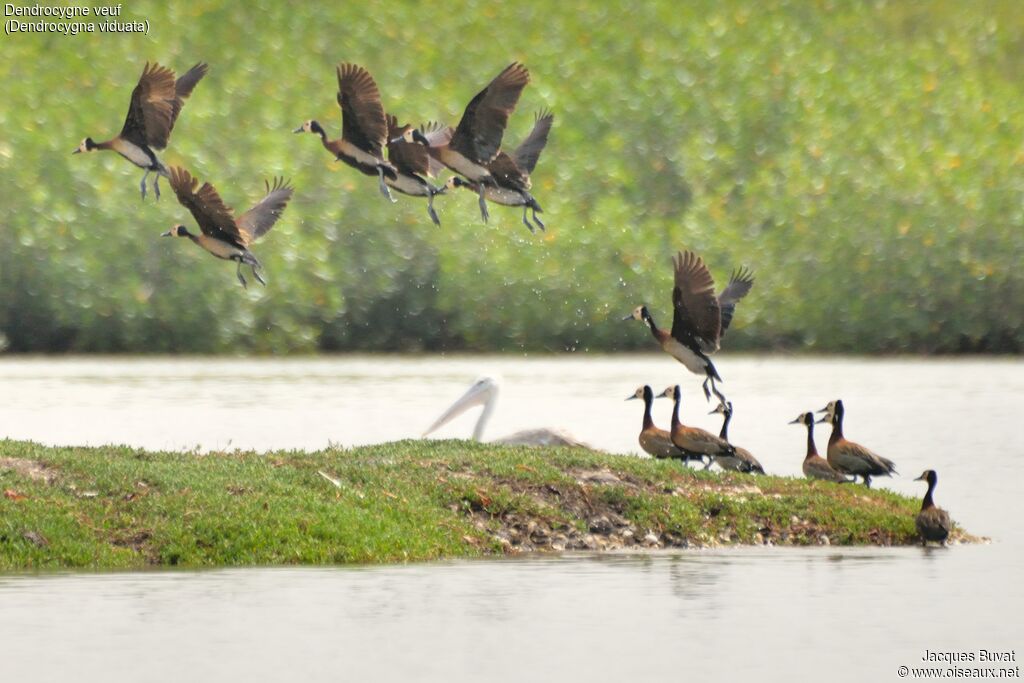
pixel 864 158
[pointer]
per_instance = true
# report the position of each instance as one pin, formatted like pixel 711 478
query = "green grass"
pixel 123 508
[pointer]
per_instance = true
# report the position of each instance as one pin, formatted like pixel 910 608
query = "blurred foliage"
pixel 864 158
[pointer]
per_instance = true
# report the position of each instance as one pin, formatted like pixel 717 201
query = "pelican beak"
pixel 478 394
pixel 167 234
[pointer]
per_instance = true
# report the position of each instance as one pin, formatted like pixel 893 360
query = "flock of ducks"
pixel 473 151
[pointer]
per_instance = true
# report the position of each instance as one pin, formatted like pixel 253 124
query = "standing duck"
pixel 743 460
pixel 156 102
pixel 655 441
pixel 933 523
pixel 223 235
pixel 364 128
pixel 815 466
pixel 848 457
pixel 699 318
pixel 412 161
pixel 696 443
pixel 511 173
pixel 477 138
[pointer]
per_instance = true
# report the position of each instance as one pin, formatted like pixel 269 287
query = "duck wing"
pixel 528 151
pixel 739 286
pixel 362 115
pixel 478 135
pixel 214 217
pixel 696 310
pixel 258 220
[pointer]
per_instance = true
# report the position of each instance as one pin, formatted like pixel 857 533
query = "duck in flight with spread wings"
pixel 699 317
pixel 223 235
pixel 156 102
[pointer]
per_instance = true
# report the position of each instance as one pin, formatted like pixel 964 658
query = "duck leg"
pixel 238 272
pixel 259 278
pixel 484 213
pixel 867 480
pixel 537 220
pixel 430 206
pixel 142 185
pixel 527 223
pixel 156 186
pixel 383 186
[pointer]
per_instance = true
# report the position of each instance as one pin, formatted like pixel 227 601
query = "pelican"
pixel 484 392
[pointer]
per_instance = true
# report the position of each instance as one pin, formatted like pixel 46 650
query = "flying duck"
pixel 697 443
pixel 848 457
pixel 223 235
pixel 156 102
pixel 933 523
pixel 700 318
pixel 655 441
pixel 364 128
pixel 412 160
pixel 477 138
pixel 511 173
pixel 743 460
pixel 815 466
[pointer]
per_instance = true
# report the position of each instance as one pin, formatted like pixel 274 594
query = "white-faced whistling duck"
pixel 848 457
pixel 657 442
pixel 484 391
pixel 695 442
pixel 412 161
pixel 699 317
pixel 477 138
pixel 933 523
pixel 364 129
pixel 511 173
pixel 743 460
pixel 223 235
pixel 815 466
pixel 156 102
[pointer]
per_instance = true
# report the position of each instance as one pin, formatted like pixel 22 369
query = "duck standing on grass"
pixel 848 457
pixel 743 460
pixel 815 466
pixel 156 102
pixel 653 440
pixel 223 235
pixel 699 317
pixel 696 443
pixel 933 523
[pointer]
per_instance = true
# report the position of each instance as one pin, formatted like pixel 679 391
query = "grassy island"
pixel 117 507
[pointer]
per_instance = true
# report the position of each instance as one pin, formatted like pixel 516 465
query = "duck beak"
pixel 166 234
pixel 794 422
pixel 823 410
pixel 77 151
pixel 628 317
pixel 921 478
pixel 824 418
pixel 298 130
pixel 630 398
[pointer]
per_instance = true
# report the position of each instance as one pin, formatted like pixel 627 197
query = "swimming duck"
pixel 743 460
pixel 848 457
pixel 477 138
pixel 223 235
pixel 696 443
pixel 815 466
pixel 511 173
pixel 657 442
pixel 933 523
pixel 156 102
pixel 699 317
pixel 364 128
pixel 412 161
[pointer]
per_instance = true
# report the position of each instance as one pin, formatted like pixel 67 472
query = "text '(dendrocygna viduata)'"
pixel 477 138
pixel 933 523
pixel 156 102
pixel 654 441
pixel 511 173
pixel 699 317
pixel 364 128
pixel 815 466
pixel 697 443
pixel 742 460
pixel 223 235
pixel 848 457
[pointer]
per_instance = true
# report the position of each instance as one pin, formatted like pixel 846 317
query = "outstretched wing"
pixel 696 309
pixel 182 89
pixel 151 112
pixel 478 135
pixel 508 174
pixel 214 217
pixel 529 150
pixel 258 220
pixel 362 114
pixel 739 286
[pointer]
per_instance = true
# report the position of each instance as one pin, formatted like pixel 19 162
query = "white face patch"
pixel 84 146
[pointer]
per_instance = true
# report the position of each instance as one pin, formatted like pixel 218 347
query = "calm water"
pixel 771 613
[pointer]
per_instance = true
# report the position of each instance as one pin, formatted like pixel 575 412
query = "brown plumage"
pixel 413 160
pixel 699 317
pixel 653 440
pixel 697 443
pixel 815 466
pixel 742 460
pixel 223 235
pixel 848 457
pixel 156 102
pixel 933 523
pixel 364 128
